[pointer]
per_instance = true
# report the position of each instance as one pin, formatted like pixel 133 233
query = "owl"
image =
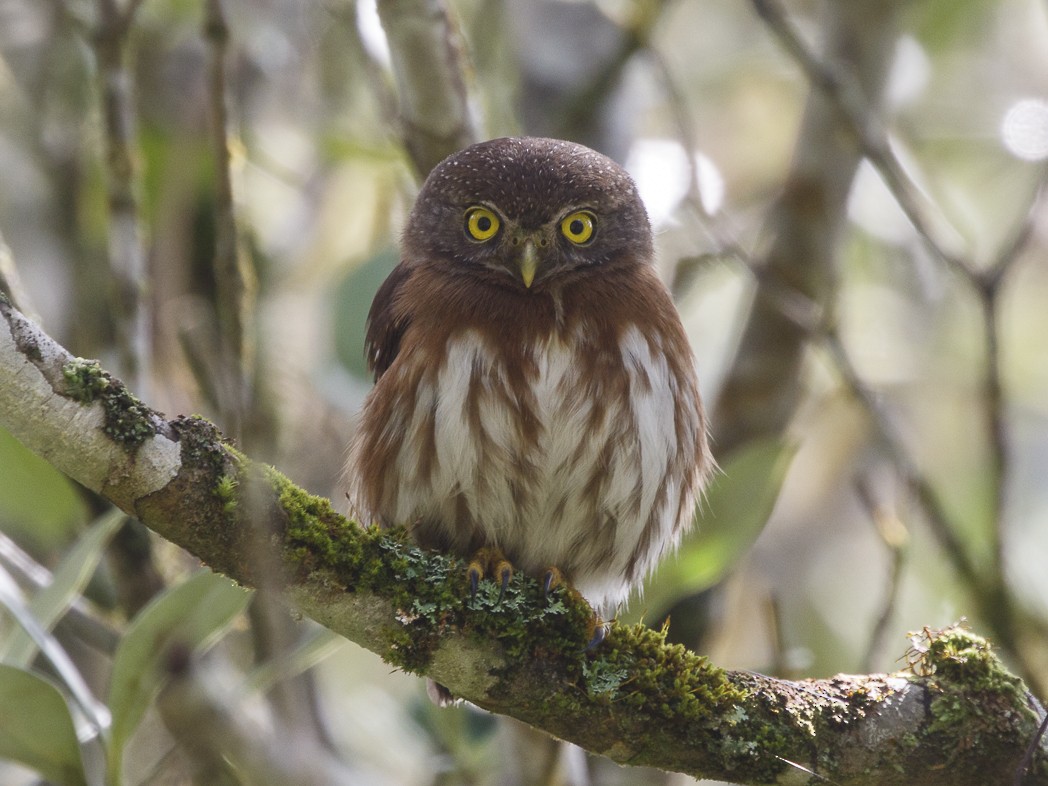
pixel 535 403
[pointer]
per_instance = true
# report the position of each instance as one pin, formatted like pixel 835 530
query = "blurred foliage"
pixel 787 570
pixel 67 583
pixel 37 502
pixel 41 734
pixel 352 298
pixel 737 505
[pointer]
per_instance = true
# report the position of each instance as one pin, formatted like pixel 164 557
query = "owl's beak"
pixel 529 263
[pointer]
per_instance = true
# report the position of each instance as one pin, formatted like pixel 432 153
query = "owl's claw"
pixel 505 571
pixel 489 561
pixel 600 632
pixel 553 579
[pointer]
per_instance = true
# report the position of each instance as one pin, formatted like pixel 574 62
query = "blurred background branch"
pixel 235 286
pixel 766 383
pixel 430 66
pixel 232 737
pixel 128 305
pixel 990 585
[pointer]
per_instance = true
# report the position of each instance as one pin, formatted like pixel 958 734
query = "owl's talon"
pixel 505 572
pixel 600 632
pixel 553 579
pixel 489 561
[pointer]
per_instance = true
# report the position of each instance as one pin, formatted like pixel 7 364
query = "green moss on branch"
pixel 635 697
pixel 127 420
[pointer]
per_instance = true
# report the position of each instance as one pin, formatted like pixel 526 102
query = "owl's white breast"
pixel 593 486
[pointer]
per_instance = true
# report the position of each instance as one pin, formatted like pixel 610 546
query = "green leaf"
pixel 36 728
pixel 67 582
pixel 11 598
pixel 36 500
pixel 353 298
pixel 193 615
pixel 738 503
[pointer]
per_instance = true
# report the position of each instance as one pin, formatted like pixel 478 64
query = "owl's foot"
pixel 440 695
pixel 489 561
pixel 553 579
pixel 600 632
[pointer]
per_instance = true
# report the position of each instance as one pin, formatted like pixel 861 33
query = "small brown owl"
pixel 535 401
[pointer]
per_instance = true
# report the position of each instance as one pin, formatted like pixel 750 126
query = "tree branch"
pixel 965 720
pixel 764 385
pixel 846 96
pixel 429 69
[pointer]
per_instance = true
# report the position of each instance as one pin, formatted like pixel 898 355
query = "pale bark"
pixel 429 67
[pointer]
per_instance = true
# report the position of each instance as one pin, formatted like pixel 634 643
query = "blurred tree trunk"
pixel 797 273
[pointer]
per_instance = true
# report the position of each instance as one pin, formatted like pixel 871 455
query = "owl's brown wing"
pixel 386 324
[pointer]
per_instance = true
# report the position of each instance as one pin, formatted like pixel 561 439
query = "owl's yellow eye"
pixel 578 226
pixel 481 223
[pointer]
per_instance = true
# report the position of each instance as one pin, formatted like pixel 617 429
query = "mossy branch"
pixel 960 719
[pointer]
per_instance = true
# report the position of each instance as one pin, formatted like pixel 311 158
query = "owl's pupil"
pixel 576 227
pixel 483 223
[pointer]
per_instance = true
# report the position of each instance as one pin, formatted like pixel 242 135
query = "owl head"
pixel 525 213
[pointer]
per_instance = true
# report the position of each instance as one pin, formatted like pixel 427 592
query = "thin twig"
pixel 844 93
pixel 1011 250
pixel 726 243
pixel 988 287
pixel 686 131
pixel 997 432
pixel 893 534
pixel 999 597
pixel 895 447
